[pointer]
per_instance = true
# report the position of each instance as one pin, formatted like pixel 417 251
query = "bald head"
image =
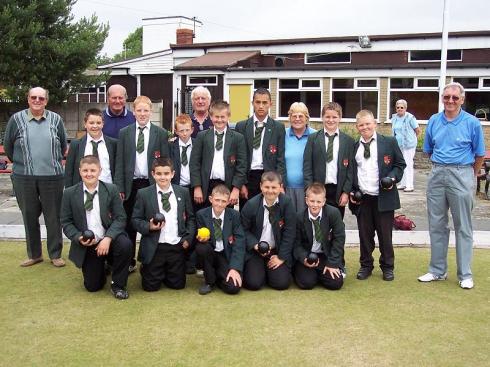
pixel 37 99
pixel 116 98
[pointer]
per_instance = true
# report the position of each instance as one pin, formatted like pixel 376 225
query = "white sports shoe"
pixel 429 277
pixel 466 283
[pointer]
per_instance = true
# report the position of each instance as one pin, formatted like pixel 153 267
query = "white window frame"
pixel 189 84
pixel 357 89
pixel 300 89
pixel 419 61
pixel 327 62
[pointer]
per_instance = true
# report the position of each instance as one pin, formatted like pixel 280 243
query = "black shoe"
pixel 388 275
pixel 205 289
pixel 190 270
pixel 364 273
pixel 119 293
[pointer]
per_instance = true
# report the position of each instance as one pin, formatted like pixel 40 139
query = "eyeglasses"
pixel 39 98
pixel 400 107
pixel 448 98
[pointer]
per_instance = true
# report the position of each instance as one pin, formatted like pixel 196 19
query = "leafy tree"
pixel 41 45
pixel 133 46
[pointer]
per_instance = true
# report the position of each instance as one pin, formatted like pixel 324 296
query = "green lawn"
pixel 48 319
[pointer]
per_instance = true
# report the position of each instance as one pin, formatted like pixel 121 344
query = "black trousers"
pixel 93 268
pixel 215 266
pixel 167 267
pixel 256 274
pixel 128 208
pixel 369 221
pixel 253 185
pixel 307 278
pixel 36 195
pixel 332 198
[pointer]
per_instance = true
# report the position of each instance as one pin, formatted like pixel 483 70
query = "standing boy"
pixel 269 217
pixel 218 157
pixel 223 253
pixel 377 157
pixel 319 231
pixel 181 149
pixel 93 143
pixel 96 206
pixel 265 140
pixel 138 145
pixel 163 244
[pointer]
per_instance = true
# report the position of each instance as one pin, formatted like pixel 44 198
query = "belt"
pixel 451 165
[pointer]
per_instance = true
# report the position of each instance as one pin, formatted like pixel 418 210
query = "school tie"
pixel 318 230
pixel 140 145
pixel 330 147
pixel 219 141
pixel 183 155
pixel 218 233
pixel 272 210
pixel 367 152
pixel 165 200
pixel 95 146
pixel 257 136
pixel 89 201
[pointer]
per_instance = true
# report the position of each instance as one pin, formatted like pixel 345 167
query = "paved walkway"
pixel 413 205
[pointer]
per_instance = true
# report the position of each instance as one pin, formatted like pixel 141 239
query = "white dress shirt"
pixel 218 167
pixel 267 233
pixel 141 162
pixel 170 231
pixel 219 246
pixel 94 222
pixel 317 246
pixel 367 169
pixel 332 167
pixel 103 154
pixel 185 175
pixel 257 159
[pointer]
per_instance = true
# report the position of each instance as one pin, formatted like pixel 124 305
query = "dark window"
pixel 354 101
pixel 310 83
pixel 343 83
pixel 367 83
pixel 486 83
pixel 261 83
pixel 434 55
pixel 401 83
pixel 426 83
pixel 288 84
pixel 313 99
pixel 467 82
pixel 478 104
pixel 421 104
pixel 203 80
pixel 328 57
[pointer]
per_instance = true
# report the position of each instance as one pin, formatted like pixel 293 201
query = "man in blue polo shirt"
pixel 454 141
pixel 116 115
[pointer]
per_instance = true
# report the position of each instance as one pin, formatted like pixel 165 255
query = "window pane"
pixel 478 102
pixel 405 83
pixel 310 83
pixel 486 83
pixel 202 80
pixel 312 99
pixel 343 83
pixel 433 55
pixel 421 104
pixel 467 82
pixel 261 83
pixel 354 101
pixel 288 84
pixel 427 83
pixel 328 57
pixel 367 83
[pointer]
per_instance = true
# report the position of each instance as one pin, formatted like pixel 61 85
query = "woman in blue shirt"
pixel 406 130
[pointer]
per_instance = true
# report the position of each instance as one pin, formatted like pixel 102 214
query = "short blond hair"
pixel 299 107
pixel 142 99
pixel 364 113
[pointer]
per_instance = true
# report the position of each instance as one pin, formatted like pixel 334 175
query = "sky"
pixel 272 19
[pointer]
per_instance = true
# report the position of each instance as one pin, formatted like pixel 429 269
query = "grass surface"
pixel 48 319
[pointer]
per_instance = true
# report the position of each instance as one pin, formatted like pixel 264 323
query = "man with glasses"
pixel 454 141
pixel 35 141
pixel 116 115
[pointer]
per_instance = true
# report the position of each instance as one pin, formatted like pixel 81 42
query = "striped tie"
pixel 318 230
pixel 219 141
pixel 330 147
pixel 89 201
pixel 272 210
pixel 367 152
pixel 257 136
pixel 140 145
pixel 183 157
pixel 95 146
pixel 166 201
pixel 218 233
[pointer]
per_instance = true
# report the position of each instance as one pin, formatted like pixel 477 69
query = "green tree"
pixel 133 46
pixel 41 45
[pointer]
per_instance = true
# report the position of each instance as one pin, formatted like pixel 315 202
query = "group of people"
pixel 125 176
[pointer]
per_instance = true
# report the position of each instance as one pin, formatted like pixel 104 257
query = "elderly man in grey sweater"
pixel 35 141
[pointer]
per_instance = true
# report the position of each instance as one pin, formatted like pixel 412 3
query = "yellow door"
pixel 240 101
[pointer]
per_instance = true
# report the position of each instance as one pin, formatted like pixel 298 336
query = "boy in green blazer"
pixel 163 243
pixel 96 206
pixel 93 143
pixel 222 253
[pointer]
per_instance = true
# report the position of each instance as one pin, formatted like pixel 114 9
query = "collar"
pixel 318 216
pixel 264 121
pixel 305 133
pixel 110 114
pixel 147 125
pixel 170 189
pixel 89 138
pixel 182 144
pixel 326 132
pixel 274 203
pixel 224 131
pixel 85 188
pixel 30 116
pixel 374 137
pixel 222 216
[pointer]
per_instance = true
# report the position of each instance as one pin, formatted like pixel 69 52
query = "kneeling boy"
pixel 320 240
pixel 96 206
pixel 222 254
pixel 163 243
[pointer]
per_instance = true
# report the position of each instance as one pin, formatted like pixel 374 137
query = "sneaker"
pixel 429 277
pixel 466 283
pixel 30 262
pixel 408 190
pixel 119 293
pixel 132 268
pixel 199 273
pixel 205 289
pixel 400 187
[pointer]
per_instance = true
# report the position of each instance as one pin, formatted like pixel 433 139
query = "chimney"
pixel 184 36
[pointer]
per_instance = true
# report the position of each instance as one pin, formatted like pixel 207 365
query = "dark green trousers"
pixel 36 195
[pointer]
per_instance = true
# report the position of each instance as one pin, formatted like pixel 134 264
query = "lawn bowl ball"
pixel 263 247
pixel 312 258
pixel 386 183
pixel 357 195
pixel 88 235
pixel 158 218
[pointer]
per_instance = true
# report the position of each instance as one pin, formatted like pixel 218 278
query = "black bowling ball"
pixel 312 258
pixel 357 195
pixel 158 218
pixel 88 235
pixel 263 247
pixel 386 183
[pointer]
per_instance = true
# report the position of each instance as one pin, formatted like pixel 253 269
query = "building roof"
pixel 214 60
